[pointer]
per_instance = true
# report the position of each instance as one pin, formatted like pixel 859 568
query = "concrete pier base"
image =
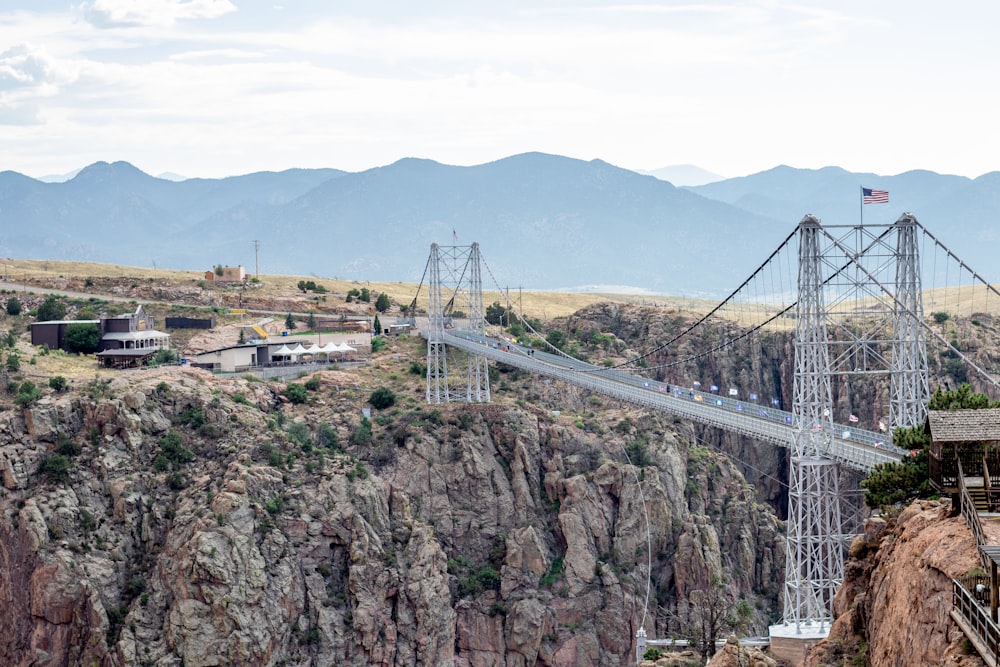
pixel 791 643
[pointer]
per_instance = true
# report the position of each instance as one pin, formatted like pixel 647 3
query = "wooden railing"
pixel 991 487
pixel 991 478
pixel 968 510
pixel 975 620
pixel 943 472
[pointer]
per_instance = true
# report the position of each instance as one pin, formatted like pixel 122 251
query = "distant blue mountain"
pixel 952 207
pixel 542 221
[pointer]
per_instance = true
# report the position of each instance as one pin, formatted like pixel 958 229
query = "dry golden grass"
pixel 956 301
pixel 543 305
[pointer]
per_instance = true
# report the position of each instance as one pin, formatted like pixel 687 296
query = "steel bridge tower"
pixel 908 387
pixel 863 316
pixel 814 565
pixel 454 271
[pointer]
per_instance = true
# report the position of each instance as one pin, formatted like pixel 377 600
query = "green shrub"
pixel 275 505
pixel 326 436
pixel 83 337
pixel 382 398
pixel 299 434
pixel 176 480
pixel 362 433
pixel 313 383
pixel 172 452
pixel 13 306
pixel 58 383
pixel 51 309
pixel 191 416
pixel 166 356
pixel 27 394
pixel 297 393
pixel 56 467
pixel 554 574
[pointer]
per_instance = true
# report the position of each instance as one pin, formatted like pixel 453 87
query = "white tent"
pixel 329 347
pixel 282 351
pixel 314 349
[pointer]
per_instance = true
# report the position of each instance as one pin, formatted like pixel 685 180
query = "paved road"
pixel 17 287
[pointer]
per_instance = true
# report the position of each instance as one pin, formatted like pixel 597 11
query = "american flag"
pixel 870 196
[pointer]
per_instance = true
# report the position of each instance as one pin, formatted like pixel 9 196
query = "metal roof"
pixel 66 322
pixel 964 425
pixel 135 335
pixel 130 352
pixel 991 552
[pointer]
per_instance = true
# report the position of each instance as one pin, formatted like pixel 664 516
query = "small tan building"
pixel 230 274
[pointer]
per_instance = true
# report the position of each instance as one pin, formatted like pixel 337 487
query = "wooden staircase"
pixel 978 496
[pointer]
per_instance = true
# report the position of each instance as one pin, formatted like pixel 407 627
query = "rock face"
pixel 184 519
pixel 893 608
pixel 734 655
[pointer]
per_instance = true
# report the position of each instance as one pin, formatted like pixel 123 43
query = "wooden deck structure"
pixel 964 462
pixel 969 437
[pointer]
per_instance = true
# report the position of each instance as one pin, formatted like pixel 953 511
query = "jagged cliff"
pixel 175 518
pixel 893 608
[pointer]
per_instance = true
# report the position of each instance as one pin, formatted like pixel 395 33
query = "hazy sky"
pixel 221 87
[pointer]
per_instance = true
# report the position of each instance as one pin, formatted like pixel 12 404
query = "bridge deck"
pixel 851 447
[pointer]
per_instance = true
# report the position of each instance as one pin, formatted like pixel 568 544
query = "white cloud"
pixel 131 13
pixel 23 66
pixel 733 87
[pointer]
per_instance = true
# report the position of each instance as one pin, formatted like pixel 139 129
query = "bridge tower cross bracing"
pixel 455 268
pixel 908 386
pixel 478 386
pixel 814 566
pixel 437 353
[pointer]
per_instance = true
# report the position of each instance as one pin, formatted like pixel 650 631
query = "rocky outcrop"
pixel 200 521
pixel 893 608
pixel 733 655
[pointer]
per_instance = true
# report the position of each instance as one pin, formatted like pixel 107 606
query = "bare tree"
pixel 714 611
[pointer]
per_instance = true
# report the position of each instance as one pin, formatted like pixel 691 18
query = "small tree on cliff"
pixel 714 613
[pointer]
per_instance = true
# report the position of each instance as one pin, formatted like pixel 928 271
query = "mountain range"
pixel 542 221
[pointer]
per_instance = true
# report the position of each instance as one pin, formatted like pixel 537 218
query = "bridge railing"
pixel 974 618
pixel 971 516
pixel 854 448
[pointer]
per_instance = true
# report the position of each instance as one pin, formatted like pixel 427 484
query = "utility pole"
pixel 256 262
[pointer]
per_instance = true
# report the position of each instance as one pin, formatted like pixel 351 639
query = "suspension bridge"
pixel 852 297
